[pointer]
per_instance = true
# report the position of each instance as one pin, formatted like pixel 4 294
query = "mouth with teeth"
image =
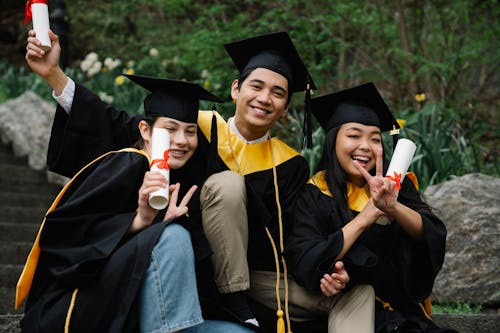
pixel 260 111
pixel 363 160
pixel 176 153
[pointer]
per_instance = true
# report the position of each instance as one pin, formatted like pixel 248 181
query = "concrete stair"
pixel 25 195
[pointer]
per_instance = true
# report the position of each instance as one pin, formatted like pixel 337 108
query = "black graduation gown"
pixel 85 246
pixel 401 270
pixel 73 143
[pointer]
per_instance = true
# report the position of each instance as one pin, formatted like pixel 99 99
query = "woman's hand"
pixel 175 210
pixel 382 189
pixel 332 284
pixel 153 181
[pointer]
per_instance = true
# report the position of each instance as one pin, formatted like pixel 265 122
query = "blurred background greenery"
pixel 435 62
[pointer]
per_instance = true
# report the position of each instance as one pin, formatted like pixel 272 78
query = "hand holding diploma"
pixel 160 145
pixel 38 11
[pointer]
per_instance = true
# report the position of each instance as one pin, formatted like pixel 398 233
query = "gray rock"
pixel 470 208
pixel 25 122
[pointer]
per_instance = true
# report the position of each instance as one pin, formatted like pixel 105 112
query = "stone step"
pixel 21 232
pixel 14 253
pixel 26 199
pixel 9 274
pixel 7 156
pixel 22 214
pixel 28 186
pixel 21 173
pixel 8 297
pixel 463 323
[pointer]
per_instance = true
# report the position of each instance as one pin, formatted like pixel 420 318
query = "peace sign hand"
pixel 382 189
pixel 173 210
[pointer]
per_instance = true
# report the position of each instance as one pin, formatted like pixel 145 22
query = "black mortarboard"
pixel 175 99
pixel 276 52
pixel 361 104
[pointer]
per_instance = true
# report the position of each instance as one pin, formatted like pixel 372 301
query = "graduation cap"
pixel 361 104
pixel 276 52
pixel 175 99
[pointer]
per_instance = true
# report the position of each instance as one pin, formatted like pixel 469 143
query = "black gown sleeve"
pixel 315 239
pixel 91 129
pixel 92 218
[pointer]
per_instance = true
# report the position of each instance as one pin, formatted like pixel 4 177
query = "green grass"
pixel 456 308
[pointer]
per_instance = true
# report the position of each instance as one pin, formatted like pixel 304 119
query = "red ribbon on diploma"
pixel 162 163
pixel 397 179
pixel 27 9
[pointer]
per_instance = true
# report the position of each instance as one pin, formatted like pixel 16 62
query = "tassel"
pixel 281 323
pixel 307 127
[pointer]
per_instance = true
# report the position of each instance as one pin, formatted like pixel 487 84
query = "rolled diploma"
pixel 40 12
pixel 401 159
pixel 160 142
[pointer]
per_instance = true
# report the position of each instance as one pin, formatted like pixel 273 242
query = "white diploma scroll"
pixel 401 159
pixel 40 12
pixel 160 145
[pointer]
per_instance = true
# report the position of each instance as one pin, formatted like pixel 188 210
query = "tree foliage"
pixel 444 51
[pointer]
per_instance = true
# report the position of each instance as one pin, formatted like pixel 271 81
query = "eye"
pixel 279 94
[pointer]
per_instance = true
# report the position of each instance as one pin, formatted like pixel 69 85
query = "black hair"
pixel 247 72
pixel 139 144
pixel 336 180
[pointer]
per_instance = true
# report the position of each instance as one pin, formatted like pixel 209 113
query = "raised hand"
pixel 46 64
pixel 383 190
pixel 42 62
pixel 175 210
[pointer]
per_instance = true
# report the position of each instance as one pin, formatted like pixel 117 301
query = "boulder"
pixel 470 208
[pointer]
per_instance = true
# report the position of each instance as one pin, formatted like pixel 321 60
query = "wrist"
pixel 56 79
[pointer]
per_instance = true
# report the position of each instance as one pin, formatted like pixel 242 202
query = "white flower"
pixel 96 68
pixel 204 74
pixel 105 97
pixel 108 61
pixel 85 65
pixel 92 57
pixel 130 64
pixel 153 52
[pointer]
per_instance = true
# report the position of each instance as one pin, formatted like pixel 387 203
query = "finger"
pixel 379 163
pixel 362 170
pixel 174 195
pixel 188 196
pixel 325 291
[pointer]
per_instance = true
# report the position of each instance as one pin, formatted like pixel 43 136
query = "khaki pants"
pixel 225 223
pixel 351 311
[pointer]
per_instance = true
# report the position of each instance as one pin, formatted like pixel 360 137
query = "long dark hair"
pixel 337 179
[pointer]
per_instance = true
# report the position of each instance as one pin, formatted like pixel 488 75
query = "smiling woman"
pixel 337 216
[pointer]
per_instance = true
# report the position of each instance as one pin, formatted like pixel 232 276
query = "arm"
pixel 46 64
pixel 86 130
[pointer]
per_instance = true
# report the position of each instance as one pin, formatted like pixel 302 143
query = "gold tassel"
pixel 281 322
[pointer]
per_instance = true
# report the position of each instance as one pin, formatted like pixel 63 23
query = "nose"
pixel 264 96
pixel 364 145
pixel 178 138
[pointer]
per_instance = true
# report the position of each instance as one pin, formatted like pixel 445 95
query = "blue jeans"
pixel 168 299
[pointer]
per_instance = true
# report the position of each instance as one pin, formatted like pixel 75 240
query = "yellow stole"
pixel 239 156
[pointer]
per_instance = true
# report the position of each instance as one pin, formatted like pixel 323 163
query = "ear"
pixel 285 111
pixel 234 90
pixel 145 130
